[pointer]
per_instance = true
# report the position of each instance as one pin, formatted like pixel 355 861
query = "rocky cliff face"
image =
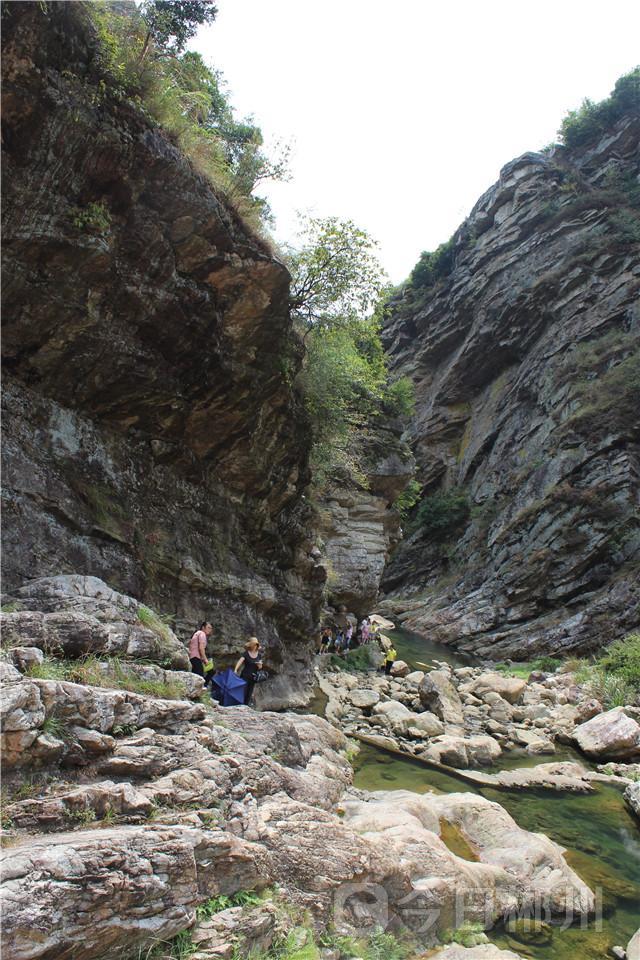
pixel 151 436
pixel 356 522
pixel 525 360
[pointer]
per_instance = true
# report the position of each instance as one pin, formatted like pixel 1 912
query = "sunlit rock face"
pixel 525 360
pixel 357 523
pixel 151 435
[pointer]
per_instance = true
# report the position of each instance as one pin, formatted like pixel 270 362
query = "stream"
pixel 600 835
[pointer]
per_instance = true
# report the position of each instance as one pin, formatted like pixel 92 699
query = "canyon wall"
pixel 152 437
pixel 526 364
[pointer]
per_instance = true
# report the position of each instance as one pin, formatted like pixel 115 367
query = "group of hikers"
pixel 248 667
pixel 345 633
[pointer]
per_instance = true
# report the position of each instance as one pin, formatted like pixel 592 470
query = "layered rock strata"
pixel 525 361
pixel 356 523
pixel 151 435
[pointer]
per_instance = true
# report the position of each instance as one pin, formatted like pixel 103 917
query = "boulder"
pixel 612 735
pixel 396 716
pixel 364 699
pixel 632 799
pixel 400 669
pixel 633 947
pixel 414 679
pixel 26 657
pixel 438 694
pixel 449 750
pixel 427 724
pixel 98 893
pixel 509 688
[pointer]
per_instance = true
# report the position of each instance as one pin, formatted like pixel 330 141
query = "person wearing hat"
pixel 248 666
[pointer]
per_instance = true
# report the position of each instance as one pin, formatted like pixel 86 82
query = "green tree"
pixel 591 119
pixel 336 281
pixel 172 23
pixel 336 276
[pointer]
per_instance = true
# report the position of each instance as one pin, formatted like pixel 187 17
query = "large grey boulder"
pixel 632 798
pixel 633 947
pixel 610 736
pixel 75 615
pixel 364 699
pixel 509 688
pixel 438 694
pixel 97 892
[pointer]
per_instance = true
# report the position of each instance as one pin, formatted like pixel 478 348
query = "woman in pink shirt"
pixel 198 648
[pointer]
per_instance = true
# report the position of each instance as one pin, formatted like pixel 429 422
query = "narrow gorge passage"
pixel 218 437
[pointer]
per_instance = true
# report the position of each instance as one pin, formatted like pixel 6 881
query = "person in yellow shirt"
pixel 390 658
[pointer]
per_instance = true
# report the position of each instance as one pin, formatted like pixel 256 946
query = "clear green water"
pixel 417 651
pixel 599 833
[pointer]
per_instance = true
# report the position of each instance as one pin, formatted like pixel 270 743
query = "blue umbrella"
pixel 228 688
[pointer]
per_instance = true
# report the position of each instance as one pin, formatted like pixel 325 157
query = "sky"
pixel 401 114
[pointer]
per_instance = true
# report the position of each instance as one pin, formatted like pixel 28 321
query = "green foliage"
pixel 408 499
pixel 55 727
pixel 357 661
pixel 627 225
pixel 336 278
pixel 171 23
pixel 434 266
pixel 142 62
pixel 84 816
pixel 11 607
pixel 591 120
pixel 613 678
pixel 338 298
pixel 94 218
pixel 523 669
pixel 243 898
pixel 180 947
pixel 622 659
pixel 467 935
pixel 340 387
pixel 49 669
pixel 441 514
pixel 399 398
pixel 110 672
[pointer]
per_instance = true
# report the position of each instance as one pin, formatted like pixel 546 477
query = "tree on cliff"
pixel 337 293
pixel 171 23
pixel 336 276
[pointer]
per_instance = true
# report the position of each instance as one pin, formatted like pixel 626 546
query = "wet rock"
pixel 632 798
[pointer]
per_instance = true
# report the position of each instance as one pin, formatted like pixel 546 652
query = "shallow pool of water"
pixel 600 835
pixel 419 652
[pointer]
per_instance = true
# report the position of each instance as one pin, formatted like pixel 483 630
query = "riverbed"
pixel 600 835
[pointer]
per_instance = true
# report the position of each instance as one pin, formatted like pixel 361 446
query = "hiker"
pixel 390 659
pixel 325 640
pixel 248 666
pixel 347 636
pixel 198 649
pixel 364 631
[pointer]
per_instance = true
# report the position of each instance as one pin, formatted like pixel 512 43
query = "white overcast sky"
pixel 402 113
